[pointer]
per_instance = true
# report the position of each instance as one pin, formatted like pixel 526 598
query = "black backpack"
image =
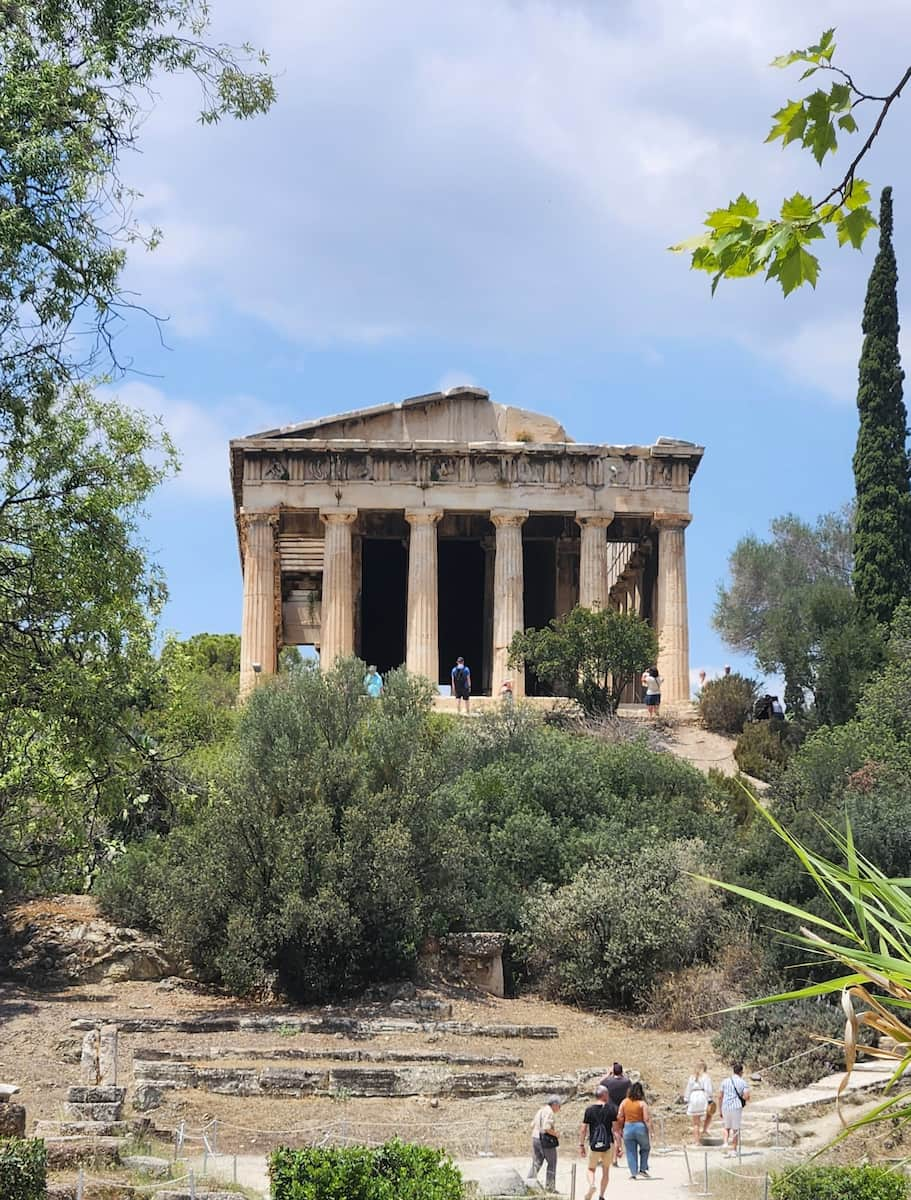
pixel 460 676
pixel 600 1137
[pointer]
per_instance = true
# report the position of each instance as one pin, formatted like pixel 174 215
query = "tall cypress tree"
pixel 882 536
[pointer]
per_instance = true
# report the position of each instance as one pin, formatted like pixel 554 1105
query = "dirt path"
pixel 707 751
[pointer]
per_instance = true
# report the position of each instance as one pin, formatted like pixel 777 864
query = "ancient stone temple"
pixel 416 532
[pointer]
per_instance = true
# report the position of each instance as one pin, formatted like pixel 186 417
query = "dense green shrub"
pixel 840 1183
pixel 395 1171
pixel 23 1169
pixel 726 704
pixel 784 1034
pixel 340 832
pixel 607 935
pixel 762 750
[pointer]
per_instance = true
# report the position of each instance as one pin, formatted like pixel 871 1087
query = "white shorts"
pixel 698 1105
pixel 731 1117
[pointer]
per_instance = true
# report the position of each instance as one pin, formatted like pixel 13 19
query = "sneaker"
pixel 645 1174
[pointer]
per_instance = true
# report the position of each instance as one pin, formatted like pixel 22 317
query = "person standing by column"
pixel 652 681
pixel 544 1142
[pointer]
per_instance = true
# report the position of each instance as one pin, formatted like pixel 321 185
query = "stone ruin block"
pixel 12 1120
pixel 477 957
pixel 228 1081
pixel 93 1112
pixel 481 1083
pixel 147 1096
pixel 98 1059
pixel 360 1082
pixel 548 1085
pixel 290 1081
pixel 96 1095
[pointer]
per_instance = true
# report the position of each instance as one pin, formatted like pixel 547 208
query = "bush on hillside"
pixel 341 833
pixel 726 704
pixel 23 1169
pixel 605 937
pixel 779 1040
pixel 840 1183
pixel 762 749
pixel 695 997
pixel 395 1171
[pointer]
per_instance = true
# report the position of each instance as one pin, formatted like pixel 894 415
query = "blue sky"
pixel 483 193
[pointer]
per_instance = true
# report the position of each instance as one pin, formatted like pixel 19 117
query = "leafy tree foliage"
pixel 882 530
pixel 77 594
pixel 739 242
pixel 790 605
pixel 590 655
pixel 726 704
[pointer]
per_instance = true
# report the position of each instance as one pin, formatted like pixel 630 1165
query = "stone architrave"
pixel 508 596
pixel 593 591
pixel 258 645
pixel 673 626
pixel 337 635
pixel 422 654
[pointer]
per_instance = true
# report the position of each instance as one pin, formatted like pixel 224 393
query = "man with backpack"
pixel 598 1126
pixel 461 684
pixel 732 1097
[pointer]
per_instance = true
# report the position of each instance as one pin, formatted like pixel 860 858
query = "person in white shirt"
pixel 652 681
pixel 700 1102
pixel 544 1141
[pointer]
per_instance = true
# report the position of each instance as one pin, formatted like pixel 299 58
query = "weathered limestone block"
pixel 12 1120
pixel 93 1112
pixel 360 1082
pixel 228 1081
pixel 83 1129
pixel 481 1083
pixel 468 1029
pixel 71 1151
pixel 155 1168
pixel 291 1082
pixel 423 1007
pixel 147 1096
pixel 178 1074
pixel 96 1095
pixel 479 958
pixel 547 1085
pixel 98 1060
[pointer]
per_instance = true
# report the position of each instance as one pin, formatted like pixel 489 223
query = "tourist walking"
pixel 597 1127
pixel 617 1084
pixel 544 1142
pixel 461 684
pixel 635 1123
pixel 652 681
pixel 732 1096
pixel 373 683
pixel 700 1101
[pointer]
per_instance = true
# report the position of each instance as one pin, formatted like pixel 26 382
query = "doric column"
pixel 422 647
pixel 258 643
pixel 508 596
pixel 673 618
pixel 593 558
pixel 337 620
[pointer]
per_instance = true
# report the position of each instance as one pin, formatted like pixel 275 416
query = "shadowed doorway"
pixel 540 574
pixel 461 610
pixel 384 591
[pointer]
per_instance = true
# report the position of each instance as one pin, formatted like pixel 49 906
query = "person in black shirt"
pixel 617 1084
pixel 599 1128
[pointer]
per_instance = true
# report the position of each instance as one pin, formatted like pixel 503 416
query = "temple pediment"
pixel 465 414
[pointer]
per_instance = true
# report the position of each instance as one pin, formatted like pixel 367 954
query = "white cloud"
pixel 495 171
pixel 201 434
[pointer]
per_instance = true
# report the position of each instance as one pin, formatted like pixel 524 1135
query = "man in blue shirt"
pixel 461 684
